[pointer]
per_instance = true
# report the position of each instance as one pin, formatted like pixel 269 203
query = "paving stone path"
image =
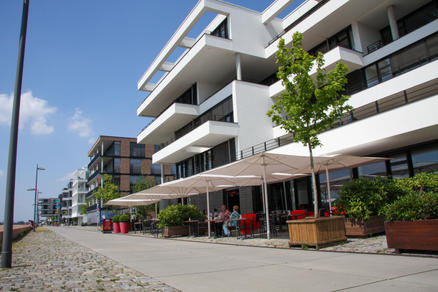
pixel 46 261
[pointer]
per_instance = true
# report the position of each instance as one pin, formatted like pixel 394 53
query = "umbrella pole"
pixel 156 210
pixel 208 213
pixel 327 177
pixel 268 233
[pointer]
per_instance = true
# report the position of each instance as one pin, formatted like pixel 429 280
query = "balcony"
pixel 349 57
pixel 202 138
pixel 162 128
pixel 94 159
pixel 92 176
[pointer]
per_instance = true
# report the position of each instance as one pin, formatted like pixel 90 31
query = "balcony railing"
pixel 93 160
pixel 93 175
pixel 371 109
pixel 92 208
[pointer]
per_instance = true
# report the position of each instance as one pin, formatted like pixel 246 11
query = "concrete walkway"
pixel 192 266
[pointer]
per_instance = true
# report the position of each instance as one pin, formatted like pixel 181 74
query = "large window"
pixel 341 39
pixel 135 166
pixel 425 160
pixel 155 168
pixel 222 29
pixel 411 57
pixel 399 165
pixel 116 165
pixel 412 21
pixel 223 111
pixel 219 155
pixel 372 170
pixel 114 149
pixel 190 96
pixel 137 150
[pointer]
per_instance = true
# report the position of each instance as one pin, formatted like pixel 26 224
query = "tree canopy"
pixel 108 192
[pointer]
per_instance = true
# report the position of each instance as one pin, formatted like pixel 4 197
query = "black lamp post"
pixel 6 261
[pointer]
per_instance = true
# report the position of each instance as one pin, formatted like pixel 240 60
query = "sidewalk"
pixel 195 266
pixel 46 261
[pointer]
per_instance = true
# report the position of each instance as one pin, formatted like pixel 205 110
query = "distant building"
pixel 65 204
pixel 48 208
pixel 79 191
pixel 126 162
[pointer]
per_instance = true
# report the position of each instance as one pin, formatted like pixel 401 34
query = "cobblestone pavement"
pixel 45 261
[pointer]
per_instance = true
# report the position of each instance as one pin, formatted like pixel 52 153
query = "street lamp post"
pixel 6 261
pixel 35 209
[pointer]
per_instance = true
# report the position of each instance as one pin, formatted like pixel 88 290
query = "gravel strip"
pixel 46 261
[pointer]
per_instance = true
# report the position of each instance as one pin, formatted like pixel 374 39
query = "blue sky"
pixel 83 59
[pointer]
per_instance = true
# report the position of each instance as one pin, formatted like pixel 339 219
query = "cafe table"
pixel 246 223
pixel 193 225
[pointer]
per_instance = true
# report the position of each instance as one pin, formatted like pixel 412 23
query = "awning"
pixel 125 202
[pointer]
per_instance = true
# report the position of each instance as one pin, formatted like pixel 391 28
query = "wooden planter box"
pixel 180 230
pixel 414 235
pixel 316 231
pixel 361 228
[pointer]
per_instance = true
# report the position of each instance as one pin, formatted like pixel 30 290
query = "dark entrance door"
pixel 231 198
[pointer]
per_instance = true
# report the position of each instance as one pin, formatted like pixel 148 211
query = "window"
pixel 137 150
pixel 425 160
pixel 223 111
pixel 135 166
pixel 341 39
pixel 190 96
pixel 157 148
pixel 372 170
pixel 156 168
pixel 337 180
pixel 116 165
pixel 114 149
pixel 222 29
pixel 399 166
pixel 219 155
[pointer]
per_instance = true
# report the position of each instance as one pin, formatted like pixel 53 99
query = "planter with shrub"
pixel 171 219
pixel 116 226
pixel 124 223
pixel 412 220
pixel 362 202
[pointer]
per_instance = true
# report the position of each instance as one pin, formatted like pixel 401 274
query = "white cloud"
pixel 33 110
pixel 67 177
pixel 80 124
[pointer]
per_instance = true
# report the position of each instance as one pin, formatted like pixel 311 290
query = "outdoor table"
pixel 193 224
pixel 246 224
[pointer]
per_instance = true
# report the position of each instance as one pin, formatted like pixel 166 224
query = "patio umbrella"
pixel 206 183
pixel 269 167
pixel 123 202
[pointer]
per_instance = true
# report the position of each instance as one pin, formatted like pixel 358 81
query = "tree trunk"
pixel 314 189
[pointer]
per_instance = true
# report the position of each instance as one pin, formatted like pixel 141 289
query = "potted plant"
pixel 116 226
pixel 171 219
pixel 412 220
pixel 362 202
pixel 124 223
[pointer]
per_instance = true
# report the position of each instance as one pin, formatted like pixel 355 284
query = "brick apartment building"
pixel 127 162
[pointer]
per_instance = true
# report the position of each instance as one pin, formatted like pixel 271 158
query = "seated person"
pixel 224 216
pixel 214 214
pixel 234 215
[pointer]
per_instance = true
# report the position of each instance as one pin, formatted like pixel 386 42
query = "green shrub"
pixel 124 218
pixel 413 207
pixel 115 219
pixel 362 198
pixel 420 203
pixel 176 215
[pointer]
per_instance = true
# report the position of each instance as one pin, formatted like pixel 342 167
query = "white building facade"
pixel 210 104
pixel 79 191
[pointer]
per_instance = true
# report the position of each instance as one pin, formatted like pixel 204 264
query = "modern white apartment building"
pixel 79 190
pixel 209 106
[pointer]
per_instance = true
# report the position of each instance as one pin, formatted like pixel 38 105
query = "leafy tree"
pixel 309 105
pixel 83 209
pixel 108 192
pixel 140 185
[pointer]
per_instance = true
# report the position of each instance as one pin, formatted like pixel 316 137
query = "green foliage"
pixel 176 215
pixel 422 182
pixel 311 105
pixel 124 218
pixel 115 219
pixel 140 185
pixel 108 192
pixel 143 184
pixel 421 203
pixel 363 198
pixel 413 207
pixel 83 209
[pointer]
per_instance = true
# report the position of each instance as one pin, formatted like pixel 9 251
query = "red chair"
pixel 298 214
pixel 310 214
pixel 250 219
